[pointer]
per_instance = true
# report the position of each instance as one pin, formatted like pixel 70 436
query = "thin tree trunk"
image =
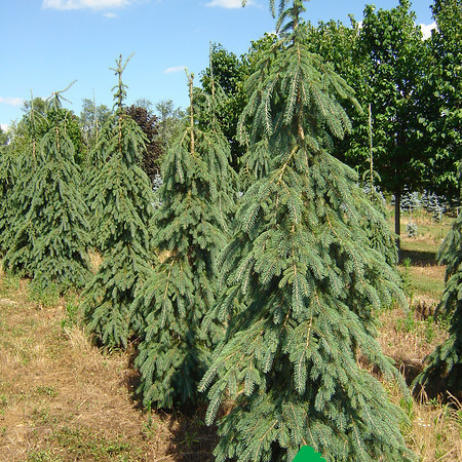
pixel 371 147
pixel 398 219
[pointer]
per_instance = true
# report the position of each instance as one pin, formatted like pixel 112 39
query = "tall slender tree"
pixel 392 43
pixel 182 288
pixel 302 265
pixel 50 231
pixel 441 106
pixel 121 200
pixel 18 231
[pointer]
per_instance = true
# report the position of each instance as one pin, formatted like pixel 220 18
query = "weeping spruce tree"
pixel 301 264
pixel 122 201
pixel 182 287
pixel 444 365
pixel 49 235
pixel 19 169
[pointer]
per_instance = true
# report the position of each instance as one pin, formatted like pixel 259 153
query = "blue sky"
pixel 46 44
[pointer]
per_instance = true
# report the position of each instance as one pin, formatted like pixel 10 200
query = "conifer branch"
pixel 120 93
pixel 33 131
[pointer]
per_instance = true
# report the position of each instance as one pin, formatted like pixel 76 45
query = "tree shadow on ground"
pixel 418 257
pixel 192 440
pixel 409 368
pixel 180 435
pixel 442 386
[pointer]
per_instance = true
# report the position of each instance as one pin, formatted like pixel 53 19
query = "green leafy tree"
pixel 121 201
pixel 50 232
pixel 169 121
pixel 392 43
pixel 144 103
pixel 340 45
pixel 301 267
pixel 442 101
pixel 182 287
pixel 229 72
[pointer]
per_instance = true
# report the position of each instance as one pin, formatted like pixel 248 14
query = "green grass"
pixel 42 456
pixel 424 285
pixel 83 444
pixel 425 275
pixel 80 443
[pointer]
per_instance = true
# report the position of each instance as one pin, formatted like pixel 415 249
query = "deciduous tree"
pixel 392 43
pixel 149 123
pixel 441 115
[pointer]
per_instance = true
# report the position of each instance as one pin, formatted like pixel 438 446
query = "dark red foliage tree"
pixel 148 122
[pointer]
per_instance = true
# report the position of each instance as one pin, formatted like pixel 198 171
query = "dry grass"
pixel 435 433
pixel 435 430
pixel 62 399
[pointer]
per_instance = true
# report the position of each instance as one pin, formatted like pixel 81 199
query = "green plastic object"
pixel 308 454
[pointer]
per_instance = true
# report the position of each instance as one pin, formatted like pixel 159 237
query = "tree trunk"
pixel 398 220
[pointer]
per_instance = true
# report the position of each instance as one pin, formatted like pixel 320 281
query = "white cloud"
pixel 110 15
pixel 11 101
pixel 229 4
pixel 427 29
pixel 82 4
pixel 171 70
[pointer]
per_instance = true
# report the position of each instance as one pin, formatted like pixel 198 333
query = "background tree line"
pixel 411 84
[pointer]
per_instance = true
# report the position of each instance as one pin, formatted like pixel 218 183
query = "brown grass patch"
pixel 429 271
pixel 435 432
pixel 408 339
pixel 64 400
pixel 165 254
